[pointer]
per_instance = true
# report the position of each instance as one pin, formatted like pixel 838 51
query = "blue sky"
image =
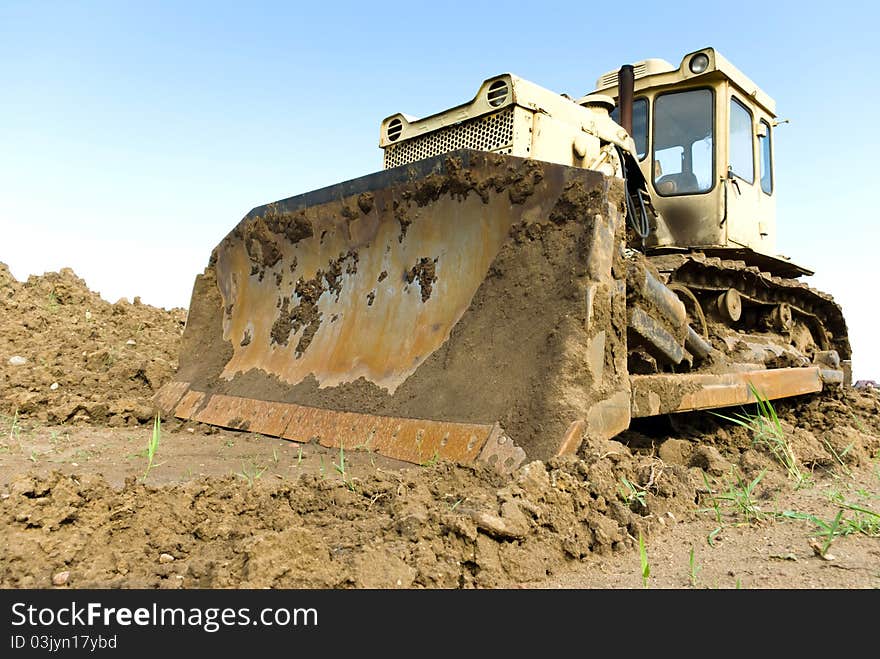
pixel 134 136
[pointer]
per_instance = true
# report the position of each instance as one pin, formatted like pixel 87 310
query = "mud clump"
pixel 455 181
pixel 523 186
pixel 293 226
pixel 575 202
pixel 520 182
pixel 333 273
pixel 261 246
pixel 365 202
pixel 403 219
pixel 85 359
pixel 306 313
pixel 425 273
pixel 261 237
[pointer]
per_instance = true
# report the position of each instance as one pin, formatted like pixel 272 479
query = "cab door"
pixel 746 226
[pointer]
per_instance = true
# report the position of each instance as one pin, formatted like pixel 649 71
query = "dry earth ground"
pixel 793 504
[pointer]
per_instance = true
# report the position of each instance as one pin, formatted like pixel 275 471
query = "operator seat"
pixel 682 183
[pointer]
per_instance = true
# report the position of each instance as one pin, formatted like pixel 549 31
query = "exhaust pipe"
pixel 626 81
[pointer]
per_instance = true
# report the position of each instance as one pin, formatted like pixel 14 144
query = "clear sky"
pixel 135 135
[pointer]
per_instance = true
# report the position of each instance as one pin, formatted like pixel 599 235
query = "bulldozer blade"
pixel 469 306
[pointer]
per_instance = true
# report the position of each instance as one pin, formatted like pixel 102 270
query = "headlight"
pixel 699 63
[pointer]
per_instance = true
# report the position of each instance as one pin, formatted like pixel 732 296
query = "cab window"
pixel 766 157
pixel 640 125
pixel 742 158
pixel 683 142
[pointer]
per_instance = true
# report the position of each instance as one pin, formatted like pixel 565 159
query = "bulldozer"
pixel 527 272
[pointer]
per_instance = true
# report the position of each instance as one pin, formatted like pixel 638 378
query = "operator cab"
pixel 703 135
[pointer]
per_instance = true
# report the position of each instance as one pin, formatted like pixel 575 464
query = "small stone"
pixel 511 524
pixel 60 578
pixel 88 315
pixel 819 550
pixel 131 342
pixel 17 360
pixel 166 558
pixel 54 386
pixel 784 557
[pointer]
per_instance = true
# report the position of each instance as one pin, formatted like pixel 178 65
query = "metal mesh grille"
pixel 490 133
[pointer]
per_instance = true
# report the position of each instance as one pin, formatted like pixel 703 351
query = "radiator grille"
pixel 493 132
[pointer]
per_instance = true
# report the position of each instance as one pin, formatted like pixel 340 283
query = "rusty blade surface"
pixel 167 398
pixel 362 285
pixel 662 394
pixel 246 414
pixel 411 440
pixel 189 403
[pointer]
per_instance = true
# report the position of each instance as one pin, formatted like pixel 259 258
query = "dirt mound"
pixel 437 526
pixel 443 526
pixel 68 355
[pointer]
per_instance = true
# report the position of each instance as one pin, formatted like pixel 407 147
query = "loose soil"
pixel 81 506
pixel 68 355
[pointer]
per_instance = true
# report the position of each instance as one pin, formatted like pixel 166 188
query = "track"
pixel 712 275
